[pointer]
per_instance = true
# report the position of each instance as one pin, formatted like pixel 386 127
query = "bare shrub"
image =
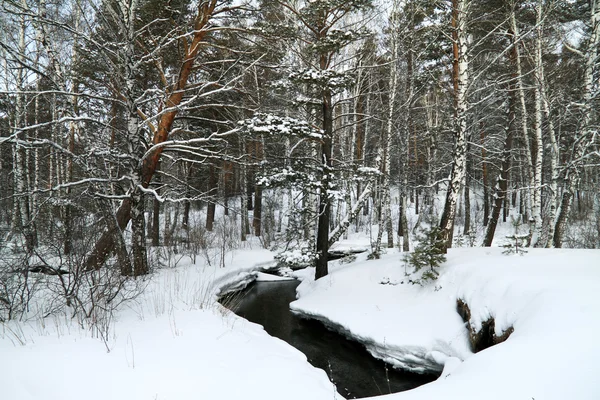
pixel 52 282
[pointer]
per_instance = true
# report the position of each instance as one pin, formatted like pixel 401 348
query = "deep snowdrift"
pixel 173 342
pixel 551 297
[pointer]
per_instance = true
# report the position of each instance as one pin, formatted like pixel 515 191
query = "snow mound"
pixel 549 296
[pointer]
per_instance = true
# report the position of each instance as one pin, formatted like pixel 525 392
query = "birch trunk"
pixel 585 132
pixel 460 81
pixel 554 159
pixel 385 216
pixel 500 190
pixel 19 155
pixel 538 148
pixel 524 113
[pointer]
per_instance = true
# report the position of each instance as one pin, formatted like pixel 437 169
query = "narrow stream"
pixel 347 363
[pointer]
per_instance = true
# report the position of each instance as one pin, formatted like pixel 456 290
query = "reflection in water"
pixel 348 364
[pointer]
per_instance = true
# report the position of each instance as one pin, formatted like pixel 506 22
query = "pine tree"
pixel 427 254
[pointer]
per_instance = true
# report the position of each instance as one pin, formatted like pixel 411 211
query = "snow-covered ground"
pixel 551 297
pixel 173 342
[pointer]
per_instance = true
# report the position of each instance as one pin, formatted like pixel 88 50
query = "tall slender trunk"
pixel 460 81
pixel 19 156
pixel 385 148
pixel 484 179
pixel 243 192
pixel 502 181
pixel 324 200
pixel 467 202
pixel 324 213
pixel 155 231
pixel 538 145
pixel 258 191
pixel 583 138
pixel 554 159
pixel 74 130
pixel 212 189
pixel 138 236
pixel 527 201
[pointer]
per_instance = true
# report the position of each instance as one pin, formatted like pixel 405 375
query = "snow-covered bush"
pixel 299 257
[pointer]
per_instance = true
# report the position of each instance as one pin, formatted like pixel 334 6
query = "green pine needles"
pixel 427 256
pixel 517 241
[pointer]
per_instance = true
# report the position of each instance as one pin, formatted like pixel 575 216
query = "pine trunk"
pixel 104 246
pixel 324 200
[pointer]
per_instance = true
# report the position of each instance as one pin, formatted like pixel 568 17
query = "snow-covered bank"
pixel 173 342
pixel 550 297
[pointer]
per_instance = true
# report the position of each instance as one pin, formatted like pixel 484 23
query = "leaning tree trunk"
pixel 104 246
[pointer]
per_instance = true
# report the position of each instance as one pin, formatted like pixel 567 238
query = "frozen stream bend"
pixel 354 371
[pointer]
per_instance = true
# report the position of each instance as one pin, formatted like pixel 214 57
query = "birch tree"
pixel 586 134
pixel 460 79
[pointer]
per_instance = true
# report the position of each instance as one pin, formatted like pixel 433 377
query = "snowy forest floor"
pixel 175 342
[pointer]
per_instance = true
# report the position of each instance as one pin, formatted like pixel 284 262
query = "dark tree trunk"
pixel 250 192
pixel 138 237
pixel 185 221
pixel 561 220
pixel 484 175
pixel 227 185
pixel 467 202
pixel 68 248
pixel 210 209
pixel 155 231
pixel 324 201
pixel 155 222
pixel 502 186
pixel 417 201
pixel 257 218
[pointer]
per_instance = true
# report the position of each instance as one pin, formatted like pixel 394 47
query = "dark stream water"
pixel 347 363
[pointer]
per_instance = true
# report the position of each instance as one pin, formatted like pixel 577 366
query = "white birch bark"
pixel 461 77
pixel 554 159
pixel 585 134
pixel 524 113
pixel 386 209
pixel 19 155
pixel 536 209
